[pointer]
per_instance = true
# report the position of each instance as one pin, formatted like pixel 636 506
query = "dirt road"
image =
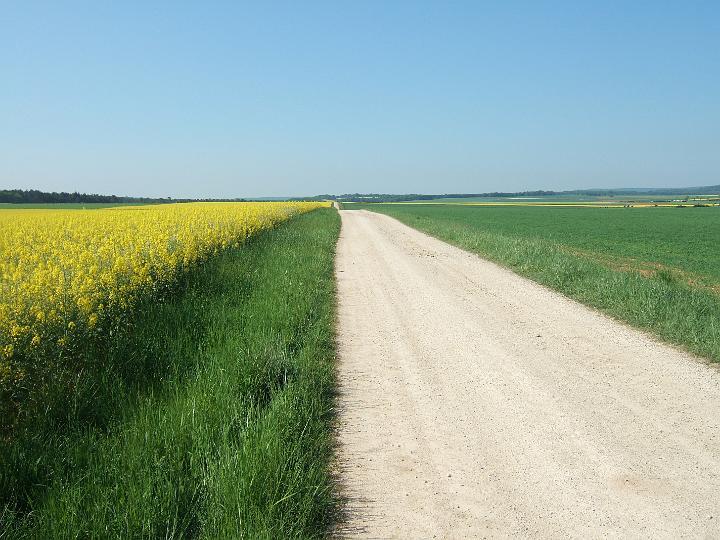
pixel 475 403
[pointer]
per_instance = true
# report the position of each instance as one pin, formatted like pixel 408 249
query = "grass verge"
pixel 542 245
pixel 220 424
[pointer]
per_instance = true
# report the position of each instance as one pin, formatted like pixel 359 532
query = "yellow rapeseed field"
pixel 63 271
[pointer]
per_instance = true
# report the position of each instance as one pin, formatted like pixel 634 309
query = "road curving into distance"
pixel 474 402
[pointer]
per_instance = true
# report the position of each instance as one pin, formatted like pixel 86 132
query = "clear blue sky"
pixel 293 98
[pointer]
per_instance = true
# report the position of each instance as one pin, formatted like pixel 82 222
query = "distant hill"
pixel 387 197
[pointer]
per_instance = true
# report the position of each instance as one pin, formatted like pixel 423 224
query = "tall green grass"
pixel 214 422
pixel 556 247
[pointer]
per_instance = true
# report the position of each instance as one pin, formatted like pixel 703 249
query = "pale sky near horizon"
pixel 233 99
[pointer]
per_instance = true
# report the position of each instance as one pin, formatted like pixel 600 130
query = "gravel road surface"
pixel 476 403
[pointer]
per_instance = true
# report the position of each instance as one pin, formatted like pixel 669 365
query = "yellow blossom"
pixel 71 265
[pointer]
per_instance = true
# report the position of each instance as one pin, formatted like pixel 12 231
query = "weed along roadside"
pixel 218 423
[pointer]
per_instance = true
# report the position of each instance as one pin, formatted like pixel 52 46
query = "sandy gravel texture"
pixel 476 403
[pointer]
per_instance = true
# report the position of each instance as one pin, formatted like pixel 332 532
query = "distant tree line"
pixel 33 196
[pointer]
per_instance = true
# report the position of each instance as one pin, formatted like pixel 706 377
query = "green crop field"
pixel 208 415
pixel 656 268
